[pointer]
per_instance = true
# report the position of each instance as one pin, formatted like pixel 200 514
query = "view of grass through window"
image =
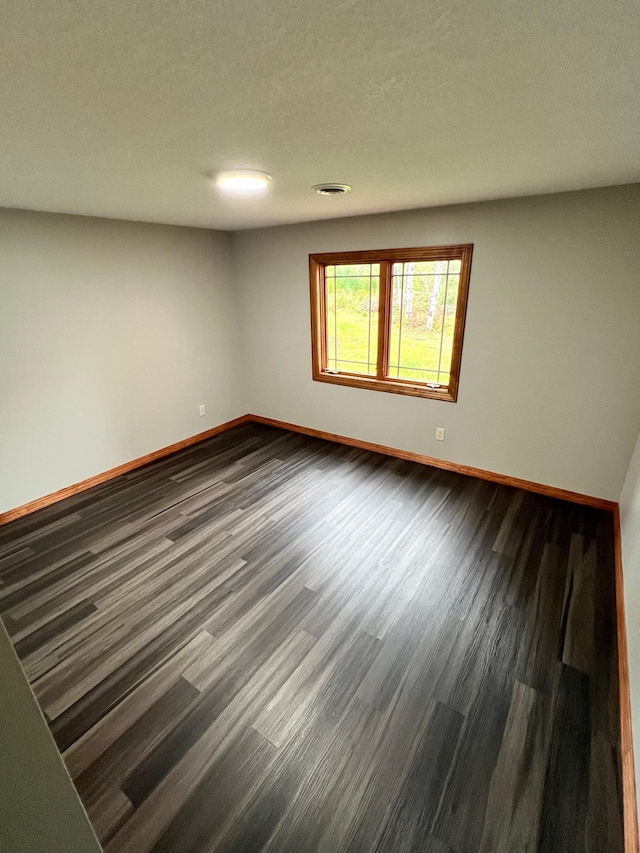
pixel 353 292
pixel 423 311
pixel 423 316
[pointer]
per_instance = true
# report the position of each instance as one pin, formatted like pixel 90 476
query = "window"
pixel 391 320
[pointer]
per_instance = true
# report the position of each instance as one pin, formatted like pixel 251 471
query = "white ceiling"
pixel 118 107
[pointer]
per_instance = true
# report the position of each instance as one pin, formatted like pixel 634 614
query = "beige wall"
pixel 111 336
pixel 550 345
pixel 630 525
pixel 39 808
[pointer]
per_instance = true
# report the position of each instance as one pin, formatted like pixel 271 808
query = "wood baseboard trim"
pixel 629 801
pixel 480 473
pixel 61 494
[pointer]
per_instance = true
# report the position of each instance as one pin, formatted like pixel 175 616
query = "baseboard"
pixel 480 473
pixel 629 801
pixel 61 494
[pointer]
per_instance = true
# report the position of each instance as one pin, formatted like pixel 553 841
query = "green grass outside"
pixel 419 347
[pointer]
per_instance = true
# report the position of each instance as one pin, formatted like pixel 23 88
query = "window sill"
pixel 391 386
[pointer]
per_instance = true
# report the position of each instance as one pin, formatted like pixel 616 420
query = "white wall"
pixel 111 335
pixel 630 528
pixel 40 808
pixel 551 337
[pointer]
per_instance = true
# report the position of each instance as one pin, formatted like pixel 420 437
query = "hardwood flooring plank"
pixel 150 772
pixel 605 706
pixel 131 748
pixel 563 816
pixel 60 686
pixel 520 587
pixel 88 748
pixel 486 680
pixel 96 578
pixel 71 617
pixel 539 663
pixel 384 760
pixel 512 818
pixel 604 817
pixel 330 771
pixel 114 688
pixel 14 556
pixel 580 606
pixel 307 763
pixel 108 813
pixel 160 807
pixel 19 590
pixel 411 818
pixel 228 782
pixel 317 681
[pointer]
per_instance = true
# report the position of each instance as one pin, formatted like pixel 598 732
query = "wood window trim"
pixel 386 257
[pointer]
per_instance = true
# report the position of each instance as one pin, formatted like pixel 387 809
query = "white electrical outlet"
pixel 439 433
pixel 203 411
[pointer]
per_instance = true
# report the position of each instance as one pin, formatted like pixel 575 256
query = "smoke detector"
pixel 331 189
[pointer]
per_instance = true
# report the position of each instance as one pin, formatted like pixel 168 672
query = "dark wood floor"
pixel 270 642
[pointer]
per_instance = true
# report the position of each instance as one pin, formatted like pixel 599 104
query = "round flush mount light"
pixel 242 180
pixel 331 189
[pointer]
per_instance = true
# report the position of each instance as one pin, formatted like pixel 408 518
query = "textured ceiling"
pixel 118 107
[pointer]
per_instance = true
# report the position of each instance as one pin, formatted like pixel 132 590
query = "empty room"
pixel 319 426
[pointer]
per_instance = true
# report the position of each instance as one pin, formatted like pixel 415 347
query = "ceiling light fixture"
pixel 242 180
pixel 331 189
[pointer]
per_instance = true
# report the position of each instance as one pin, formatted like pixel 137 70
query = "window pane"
pixel 423 313
pixel 355 270
pixel 352 317
pixel 428 267
pixel 449 323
